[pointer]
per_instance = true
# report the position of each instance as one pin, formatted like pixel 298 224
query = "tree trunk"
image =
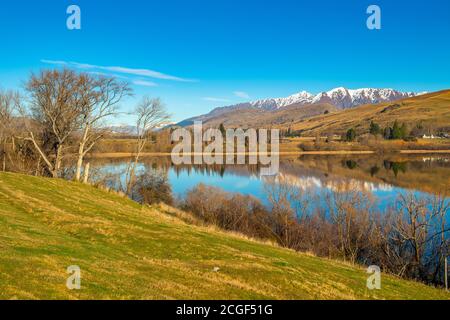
pixel 4 160
pixel 81 153
pixel 132 169
pixel 50 166
pixel 55 172
pixel 79 165
pixel 38 166
pixel 86 173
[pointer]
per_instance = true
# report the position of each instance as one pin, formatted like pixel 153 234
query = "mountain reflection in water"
pixel 383 177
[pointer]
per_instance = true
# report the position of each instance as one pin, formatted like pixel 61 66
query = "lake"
pixel 384 177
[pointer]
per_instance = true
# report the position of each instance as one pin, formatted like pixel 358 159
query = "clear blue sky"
pixel 217 52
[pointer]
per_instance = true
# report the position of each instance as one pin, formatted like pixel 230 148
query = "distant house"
pixel 429 137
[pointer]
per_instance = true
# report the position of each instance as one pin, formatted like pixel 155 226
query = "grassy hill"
pixel 127 251
pixel 432 110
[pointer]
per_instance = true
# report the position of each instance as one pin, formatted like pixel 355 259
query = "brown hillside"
pixel 257 118
pixel 431 110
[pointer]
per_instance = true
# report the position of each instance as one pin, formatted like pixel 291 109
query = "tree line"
pixel 395 132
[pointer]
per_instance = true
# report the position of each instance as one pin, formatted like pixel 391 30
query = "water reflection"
pixel 384 178
pixel 335 207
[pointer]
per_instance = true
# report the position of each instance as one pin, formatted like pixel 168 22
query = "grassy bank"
pixel 127 251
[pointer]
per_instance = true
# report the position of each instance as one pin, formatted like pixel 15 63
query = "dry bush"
pixel 409 239
pixel 153 187
pixel 234 212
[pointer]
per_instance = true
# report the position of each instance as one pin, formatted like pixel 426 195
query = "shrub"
pixel 374 129
pixel 152 187
pixel 350 135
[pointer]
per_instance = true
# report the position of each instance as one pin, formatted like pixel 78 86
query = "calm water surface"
pixel 383 177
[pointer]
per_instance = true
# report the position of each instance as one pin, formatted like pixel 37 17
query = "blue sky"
pixel 200 54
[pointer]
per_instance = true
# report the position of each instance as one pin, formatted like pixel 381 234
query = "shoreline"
pixel 282 153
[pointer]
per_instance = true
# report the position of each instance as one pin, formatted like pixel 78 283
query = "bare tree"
pixel 151 114
pixel 290 205
pixel 9 101
pixel 55 110
pixel 350 212
pixel 420 234
pixel 100 99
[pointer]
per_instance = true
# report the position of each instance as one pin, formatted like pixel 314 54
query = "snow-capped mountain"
pixel 271 104
pixel 345 98
pixel 132 130
pixel 122 129
pixel 340 97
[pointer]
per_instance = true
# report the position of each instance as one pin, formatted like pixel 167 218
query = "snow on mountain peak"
pixel 340 97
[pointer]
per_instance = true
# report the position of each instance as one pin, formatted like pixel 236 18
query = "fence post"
pixel 446 274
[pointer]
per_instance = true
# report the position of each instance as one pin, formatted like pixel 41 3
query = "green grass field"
pixel 127 251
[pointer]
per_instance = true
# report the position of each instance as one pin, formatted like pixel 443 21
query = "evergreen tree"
pixel 403 131
pixel 387 133
pixel 396 131
pixel 350 135
pixel 374 128
pixel 222 130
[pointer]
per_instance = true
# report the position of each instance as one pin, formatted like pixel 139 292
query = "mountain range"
pixel 336 99
pixel 125 129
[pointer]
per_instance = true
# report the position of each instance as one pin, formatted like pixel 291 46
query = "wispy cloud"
pixel 241 94
pixel 59 62
pixel 117 69
pixel 145 83
pixel 110 75
pixel 212 99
